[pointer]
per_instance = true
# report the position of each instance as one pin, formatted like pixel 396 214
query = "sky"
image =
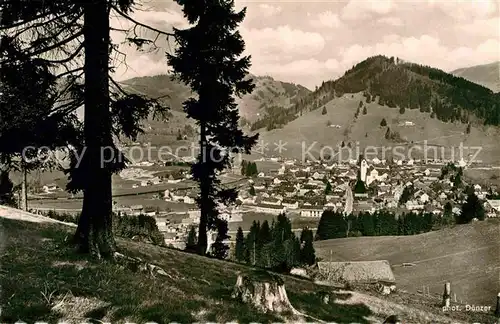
pixel 307 42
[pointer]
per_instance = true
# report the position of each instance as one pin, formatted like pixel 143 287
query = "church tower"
pixel 363 170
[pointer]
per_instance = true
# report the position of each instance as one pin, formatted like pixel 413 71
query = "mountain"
pixel 397 84
pixel 421 105
pixel 268 96
pixel 487 75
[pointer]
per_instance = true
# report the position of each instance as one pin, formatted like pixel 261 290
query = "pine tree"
pixel 251 191
pixel 328 188
pixel 324 112
pixel 364 110
pixel 6 192
pixel 331 225
pixel 467 131
pixel 263 239
pixel 219 247
pixel 388 133
pixel 307 253
pixel 360 187
pixel 191 240
pixel 402 110
pixel 383 122
pixel 472 208
pixel 240 246
pixel 208 59
pixel 251 243
pixel 108 108
pixel 244 166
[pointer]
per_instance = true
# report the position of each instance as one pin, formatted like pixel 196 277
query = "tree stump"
pixel 264 291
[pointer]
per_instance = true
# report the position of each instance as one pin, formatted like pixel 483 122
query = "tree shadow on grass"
pixel 28 270
pixel 312 304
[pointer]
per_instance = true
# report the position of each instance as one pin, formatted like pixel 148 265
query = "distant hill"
pixel 420 105
pixel 397 84
pixel 268 96
pixel 468 256
pixel 487 75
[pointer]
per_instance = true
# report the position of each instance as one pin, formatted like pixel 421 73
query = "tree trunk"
pixel 94 233
pixel 204 193
pixel 24 190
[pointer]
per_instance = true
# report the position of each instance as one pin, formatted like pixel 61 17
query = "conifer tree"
pixel 472 208
pixel 240 246
pixel 307 253
pixel 208 59
pixel 80 33
pixel 219 247
pixel 251 243
pixel 328 188
pixel 191 240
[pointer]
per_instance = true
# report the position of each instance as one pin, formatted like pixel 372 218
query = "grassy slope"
pixel 36 263
pixel 312 127
pixel 468 256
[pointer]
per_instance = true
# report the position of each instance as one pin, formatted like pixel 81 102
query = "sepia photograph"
pixel 250 161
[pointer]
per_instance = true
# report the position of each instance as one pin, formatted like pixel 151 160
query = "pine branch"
pixel 58 45
pixel 160 32
pixel 69 72
pixel 69 58
pixel 118 86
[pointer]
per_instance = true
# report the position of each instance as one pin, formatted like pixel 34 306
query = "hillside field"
pixel 43 279
pixel 468 256
pixel 311 129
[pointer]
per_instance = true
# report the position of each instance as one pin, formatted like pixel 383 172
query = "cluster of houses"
pixel 314 187
pixel 308 189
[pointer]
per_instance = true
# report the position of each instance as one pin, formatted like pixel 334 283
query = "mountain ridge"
pixel 487 75
pixel 399 84
pixel 269 94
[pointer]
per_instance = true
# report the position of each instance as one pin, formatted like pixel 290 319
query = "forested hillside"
pixel 398 84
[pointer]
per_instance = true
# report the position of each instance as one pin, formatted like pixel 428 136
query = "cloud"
pixel 466 10
pixel 269 10
pixel 392 21
pixel 137 63
pixel 488 28
pixel 140 65
pixel 276 43
pixel 326 19
pixel 362 9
